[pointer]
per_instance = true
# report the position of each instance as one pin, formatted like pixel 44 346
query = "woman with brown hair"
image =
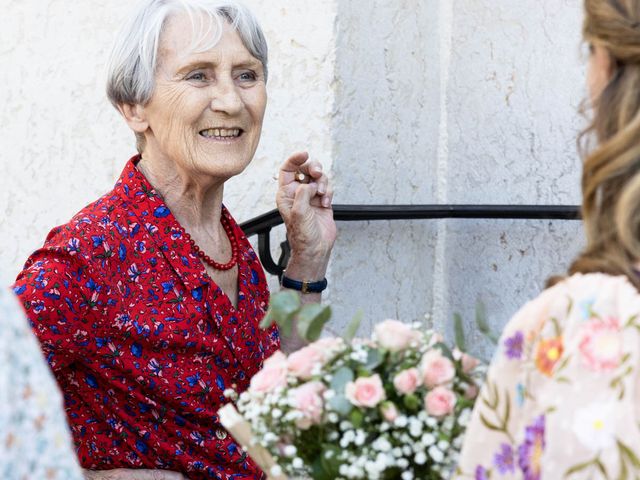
pixel 561 398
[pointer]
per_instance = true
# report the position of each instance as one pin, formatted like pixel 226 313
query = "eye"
pixel 197 76
pixel 248 76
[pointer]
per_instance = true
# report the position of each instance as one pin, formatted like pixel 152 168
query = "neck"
pixel 195 200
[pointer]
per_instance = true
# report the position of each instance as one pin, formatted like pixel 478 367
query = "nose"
pixel 226 98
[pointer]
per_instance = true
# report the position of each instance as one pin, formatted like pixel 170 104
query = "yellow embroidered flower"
pixel 548 353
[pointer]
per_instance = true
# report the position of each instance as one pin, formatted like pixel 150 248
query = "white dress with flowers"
pixel 561 398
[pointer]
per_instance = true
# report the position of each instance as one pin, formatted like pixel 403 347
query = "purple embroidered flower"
pixel 530 452
pixel 481 473
pixel 504 460
pixel 514 346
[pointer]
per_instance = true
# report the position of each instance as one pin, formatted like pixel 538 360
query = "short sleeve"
pixel 55 291
pixel 35 441
pixel 561 398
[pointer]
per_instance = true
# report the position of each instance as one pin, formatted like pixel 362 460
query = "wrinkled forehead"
pixel 186 33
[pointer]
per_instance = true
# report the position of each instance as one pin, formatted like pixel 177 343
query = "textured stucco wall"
pixel 406 101
pixel 463 101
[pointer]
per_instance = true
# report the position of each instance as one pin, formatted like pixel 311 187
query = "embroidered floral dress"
pixel 142 342
pixel 561 400
pixel 35 442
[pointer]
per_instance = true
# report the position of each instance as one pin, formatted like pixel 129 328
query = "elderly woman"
pixel 148 302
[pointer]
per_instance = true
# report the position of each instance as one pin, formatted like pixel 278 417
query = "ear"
pixel 135 117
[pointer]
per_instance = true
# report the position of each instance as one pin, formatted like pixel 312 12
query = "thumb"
pixel 304 194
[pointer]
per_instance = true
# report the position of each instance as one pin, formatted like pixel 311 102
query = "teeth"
pixel 221 132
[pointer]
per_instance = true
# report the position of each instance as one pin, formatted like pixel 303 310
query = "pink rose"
pixel 329 346
pixel 600 343
pixel 471 392
pixel 272 375
pixel 435 338
pixel 407 381
pixel 395 336
pixel 389 411
pixel 307 399
pixel 440 402
pixel 436 369
pixel 302 362
pixel 469 363
pixel 365 391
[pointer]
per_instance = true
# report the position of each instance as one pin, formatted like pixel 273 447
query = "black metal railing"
pixel 263 224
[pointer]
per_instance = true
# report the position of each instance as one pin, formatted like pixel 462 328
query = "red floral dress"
pixel 142 342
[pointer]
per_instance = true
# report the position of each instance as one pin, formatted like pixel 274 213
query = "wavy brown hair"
pixel 611 170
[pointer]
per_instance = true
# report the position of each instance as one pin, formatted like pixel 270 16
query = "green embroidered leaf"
pixel 628 453
pixel 556 327
pixel 507 410
pixel 601 468
pixel 579 467
pixel 489 425
pixel 569 307
pixel 631 321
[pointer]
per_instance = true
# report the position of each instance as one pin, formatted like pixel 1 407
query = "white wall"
pixel 406 101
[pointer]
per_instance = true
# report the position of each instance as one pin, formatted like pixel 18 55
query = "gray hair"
pixel 133 61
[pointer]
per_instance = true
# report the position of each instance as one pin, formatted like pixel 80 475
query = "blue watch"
pixel 304 287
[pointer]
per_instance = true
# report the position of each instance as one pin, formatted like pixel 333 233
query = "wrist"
pixel 307 268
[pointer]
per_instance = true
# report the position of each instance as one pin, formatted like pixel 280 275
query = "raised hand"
pixel 304 202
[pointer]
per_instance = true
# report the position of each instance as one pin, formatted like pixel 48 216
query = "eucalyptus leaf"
pixel 374 359
pixel 282 308
pixel 458 328
pixel 340 404
pixel 311 319
pixel 352 329
pixel 483 326
pixel 444 349
pixel 340 379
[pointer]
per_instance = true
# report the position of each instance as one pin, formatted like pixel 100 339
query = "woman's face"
pixel 598 70
pixel 206 112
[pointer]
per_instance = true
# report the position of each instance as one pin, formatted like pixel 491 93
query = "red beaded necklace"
pixel 234 247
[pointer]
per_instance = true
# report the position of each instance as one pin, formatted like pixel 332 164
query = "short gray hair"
pixel 133 61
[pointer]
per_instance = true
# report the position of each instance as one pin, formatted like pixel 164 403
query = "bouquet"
pixel 394 406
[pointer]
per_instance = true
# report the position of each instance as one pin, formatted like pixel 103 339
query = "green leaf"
pixel 352 329
pixel 445 350
pixel 340 379
pixel 374 359
pixel 412 402
pixel 282 308
pixel 356 417
pixel 579 467
pixel 340 404
pixel 490 425
pixel 483 326
pixel 330 462
pixel 311 319
pixel 458 329
pixel 318 471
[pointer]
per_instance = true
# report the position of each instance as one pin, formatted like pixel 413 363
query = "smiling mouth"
pixel 222 133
